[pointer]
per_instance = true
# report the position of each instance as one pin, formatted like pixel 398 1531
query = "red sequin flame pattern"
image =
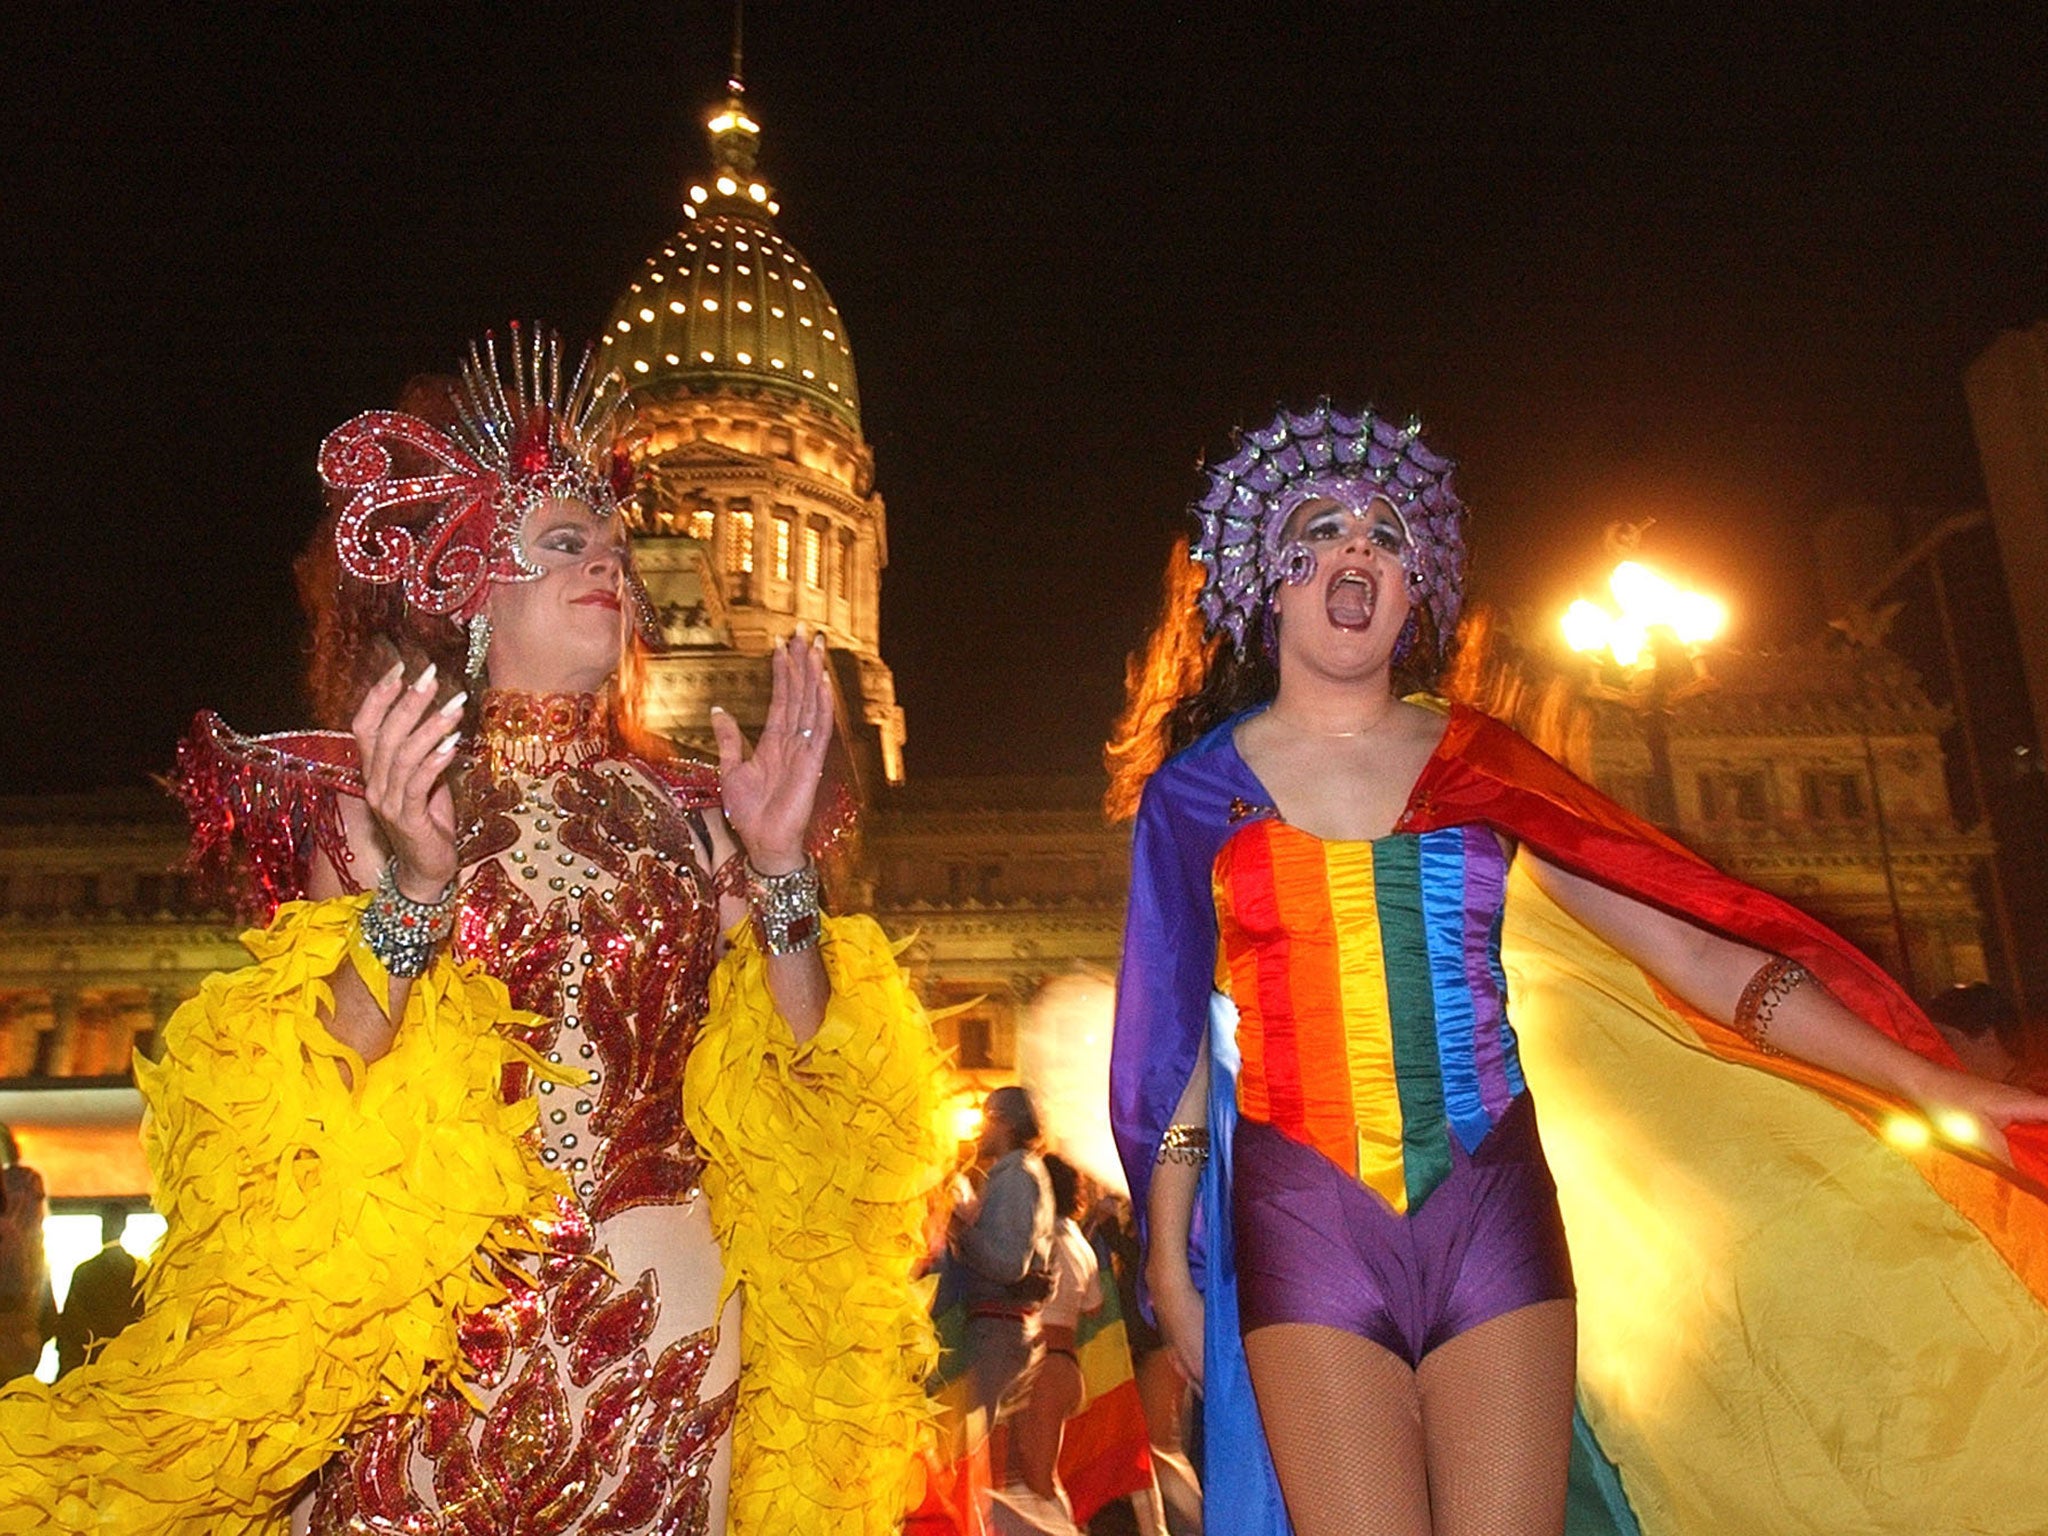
pixel 588 898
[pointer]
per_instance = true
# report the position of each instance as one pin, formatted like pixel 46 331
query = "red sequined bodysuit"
pixel 607 1382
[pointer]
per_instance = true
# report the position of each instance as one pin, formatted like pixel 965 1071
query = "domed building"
pixel 758 509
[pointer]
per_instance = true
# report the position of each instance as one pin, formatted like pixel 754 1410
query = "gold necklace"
pixel 1303 730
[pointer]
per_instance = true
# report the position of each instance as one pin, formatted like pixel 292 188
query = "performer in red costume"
pixel 1355 1238
pixel 560 1163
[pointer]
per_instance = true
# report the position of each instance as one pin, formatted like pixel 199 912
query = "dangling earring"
pixel 479 648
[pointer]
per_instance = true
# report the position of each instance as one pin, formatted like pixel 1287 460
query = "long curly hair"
pixel 1187 681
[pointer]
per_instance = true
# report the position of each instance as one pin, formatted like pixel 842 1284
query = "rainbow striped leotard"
pixel 1372 1007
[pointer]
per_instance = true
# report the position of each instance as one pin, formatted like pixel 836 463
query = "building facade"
pixel 1817 773
pixel 758 515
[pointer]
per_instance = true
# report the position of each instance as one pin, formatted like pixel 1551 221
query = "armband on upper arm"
pixel 1755 1011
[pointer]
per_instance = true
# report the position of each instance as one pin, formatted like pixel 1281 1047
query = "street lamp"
pixel 1644 653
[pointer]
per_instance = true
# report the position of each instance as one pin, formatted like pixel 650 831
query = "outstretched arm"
pixel 1709 972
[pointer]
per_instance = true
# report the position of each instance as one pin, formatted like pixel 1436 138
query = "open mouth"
pixel 1351 598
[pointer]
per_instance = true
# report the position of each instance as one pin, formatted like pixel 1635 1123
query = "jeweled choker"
pixel 542 732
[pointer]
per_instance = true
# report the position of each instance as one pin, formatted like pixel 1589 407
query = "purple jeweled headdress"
pixel 1352 460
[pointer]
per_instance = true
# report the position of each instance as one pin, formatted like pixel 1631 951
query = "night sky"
pixel 1726 273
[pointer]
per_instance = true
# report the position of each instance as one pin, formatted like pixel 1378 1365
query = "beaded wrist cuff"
pixel 402 933
pixel 1184 1144
pixel 1776 979
pixel 787 913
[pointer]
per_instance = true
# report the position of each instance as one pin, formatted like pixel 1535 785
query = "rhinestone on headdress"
pixel 1353 459
pixel 449 526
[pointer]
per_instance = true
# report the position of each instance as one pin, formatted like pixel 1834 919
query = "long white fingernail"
pixel 397 671
pixel 718 709
pixel 425 680
pixel 448 742
pixel 454 705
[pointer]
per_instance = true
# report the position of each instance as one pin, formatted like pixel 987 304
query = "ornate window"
pixel 1729 795
pixel 702 521
pixel 846 566
pixel 782 542
pixel 1834 796
pixel 739 542
pixel 814 555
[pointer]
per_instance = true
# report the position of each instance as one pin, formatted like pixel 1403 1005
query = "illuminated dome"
pixel 728 305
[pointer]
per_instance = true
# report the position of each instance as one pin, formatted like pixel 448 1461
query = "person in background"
pixel 102 1299
pixel 28 1310
pixel 1980 1026
pixel 1163 1388
pixel 1004 1241
pixel 1057 1386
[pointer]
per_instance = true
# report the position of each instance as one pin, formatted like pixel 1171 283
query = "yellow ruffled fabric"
pixel 1783 1326
pixel 821 1159
pixel 322 1239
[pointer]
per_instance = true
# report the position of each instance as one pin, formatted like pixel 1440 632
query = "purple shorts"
pixel 1316 1246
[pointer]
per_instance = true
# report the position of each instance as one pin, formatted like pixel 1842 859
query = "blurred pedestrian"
pixel 28 1308
pixel 1057 1386
pixel 1003 1240
pixel 1981 1027
pixel 101 1300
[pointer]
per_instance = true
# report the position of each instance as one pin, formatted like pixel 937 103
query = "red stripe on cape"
pixel 1485 772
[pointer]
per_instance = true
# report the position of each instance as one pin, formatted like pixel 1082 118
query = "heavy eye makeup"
pixel 1327 527
pixel 1387 533
pixel 572 539
pixel 1384 530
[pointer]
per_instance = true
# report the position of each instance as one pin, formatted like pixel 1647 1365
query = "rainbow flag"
pixel 1105 1455
pixel 957 1471
pixel 1107 1452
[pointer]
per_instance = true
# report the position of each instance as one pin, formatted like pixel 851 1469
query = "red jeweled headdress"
pixel 447 524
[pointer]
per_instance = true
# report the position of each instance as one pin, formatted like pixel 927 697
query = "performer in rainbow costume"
pixel 1784 1321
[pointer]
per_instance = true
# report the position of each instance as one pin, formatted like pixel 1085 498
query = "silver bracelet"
pixel 787 913
pixel 402 933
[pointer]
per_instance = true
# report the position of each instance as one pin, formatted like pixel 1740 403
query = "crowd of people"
pixel 1031 1251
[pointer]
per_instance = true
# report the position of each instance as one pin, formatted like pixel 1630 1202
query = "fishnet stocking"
pixel 1497 1415
pixel 1476 1443
pixel 1343 1418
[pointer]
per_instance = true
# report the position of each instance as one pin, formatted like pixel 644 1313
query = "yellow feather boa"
pixel 322 1238
pixel 822 1156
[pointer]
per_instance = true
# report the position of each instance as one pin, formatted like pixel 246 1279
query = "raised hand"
pixel 769 791
pixel 406 747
